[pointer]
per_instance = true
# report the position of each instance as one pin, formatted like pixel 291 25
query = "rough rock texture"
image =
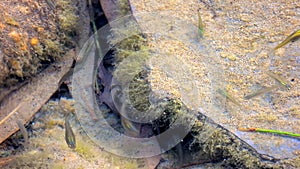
pixel 34 34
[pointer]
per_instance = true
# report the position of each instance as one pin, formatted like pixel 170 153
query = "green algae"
pixel 53 37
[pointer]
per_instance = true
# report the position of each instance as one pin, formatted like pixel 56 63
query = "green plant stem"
pixel 270 131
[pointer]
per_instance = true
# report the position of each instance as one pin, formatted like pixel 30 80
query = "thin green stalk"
pixel 291 38
pixel 271 131
pixel 200 25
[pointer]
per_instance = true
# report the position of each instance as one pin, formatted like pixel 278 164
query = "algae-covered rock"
pixel 206 142
pixel 33 34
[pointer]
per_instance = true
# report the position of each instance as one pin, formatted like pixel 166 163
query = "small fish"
pixel 260 91
pixel 280 80
pixel 225 94
pixel 69 135
pixel 200 25
pixel 66 76
pixel 129 126
pixel 23 131
pixel 291 38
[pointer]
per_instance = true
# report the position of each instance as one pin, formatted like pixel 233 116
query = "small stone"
pixel 34 41
pixel 232 57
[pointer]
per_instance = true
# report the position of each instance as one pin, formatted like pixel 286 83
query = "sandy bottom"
pixel 234 55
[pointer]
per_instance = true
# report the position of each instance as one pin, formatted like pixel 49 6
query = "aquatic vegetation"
pixel 290 134
pixel 209 141
pixel 40 38
pixel 67 17
pixel 200 25
pixel 291 38
pixel 85 149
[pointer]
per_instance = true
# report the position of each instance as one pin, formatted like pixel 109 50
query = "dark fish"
pixel 69 135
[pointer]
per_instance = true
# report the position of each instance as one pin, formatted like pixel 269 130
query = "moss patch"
pixel 32 36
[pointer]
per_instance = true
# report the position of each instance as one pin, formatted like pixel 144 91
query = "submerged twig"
pixel 11 113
